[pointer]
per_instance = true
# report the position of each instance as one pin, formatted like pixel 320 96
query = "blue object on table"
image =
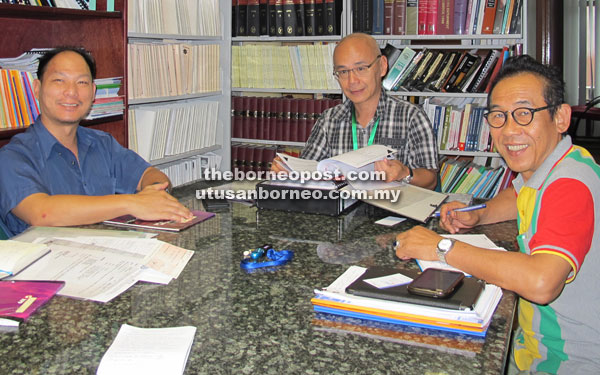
pixel 277 258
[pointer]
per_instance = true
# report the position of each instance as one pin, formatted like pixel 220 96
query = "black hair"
pixel 46 57
pixel 554 86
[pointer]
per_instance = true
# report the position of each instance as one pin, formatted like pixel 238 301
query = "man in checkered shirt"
pixel 371 116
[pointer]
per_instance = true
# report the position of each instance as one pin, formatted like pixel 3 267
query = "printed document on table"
pixel 158 255
pixel 148 351
pixel 89 271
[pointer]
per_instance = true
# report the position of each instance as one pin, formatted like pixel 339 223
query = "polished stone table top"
pixel 254 323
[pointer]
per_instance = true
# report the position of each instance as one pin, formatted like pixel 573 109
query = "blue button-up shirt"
pixel 35 162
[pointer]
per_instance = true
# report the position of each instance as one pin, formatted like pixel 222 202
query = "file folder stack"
pixel 471 321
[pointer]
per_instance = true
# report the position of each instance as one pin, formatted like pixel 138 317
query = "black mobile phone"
pixel 436 283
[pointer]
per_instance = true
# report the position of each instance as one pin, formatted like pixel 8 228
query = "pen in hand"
pixel 463 209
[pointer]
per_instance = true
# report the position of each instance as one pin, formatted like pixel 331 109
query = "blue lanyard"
pixel 354 136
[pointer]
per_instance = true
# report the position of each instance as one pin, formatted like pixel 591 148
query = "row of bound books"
pixel 18 105
pixel 302 66
pixel 19 108
pixel 160 131
pixel 73 4
pixel 181 17
pixel 107 102
pixel 458 124
pixel 286 17
pixel 276 119
pixel 445 70
pixel 246 157
pixel 465 177
pixel 190 169
pixel 173 69
pixel 436 17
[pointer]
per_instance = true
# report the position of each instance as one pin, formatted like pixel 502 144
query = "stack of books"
pixel 472 321
pixel 108 102
pixel 449 342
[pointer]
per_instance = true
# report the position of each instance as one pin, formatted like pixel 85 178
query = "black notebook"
pixel 464 297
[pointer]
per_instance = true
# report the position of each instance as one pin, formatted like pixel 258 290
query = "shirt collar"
pixel 379 112
pixel 47 141
pixel 539 176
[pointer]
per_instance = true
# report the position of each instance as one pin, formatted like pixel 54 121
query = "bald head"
pixel 359 41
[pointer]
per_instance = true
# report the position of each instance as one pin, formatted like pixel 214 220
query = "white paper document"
pixel 148 351
pixel 89 271
pixel 160 256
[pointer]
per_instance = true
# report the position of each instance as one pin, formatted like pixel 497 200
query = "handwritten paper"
pixel 148 351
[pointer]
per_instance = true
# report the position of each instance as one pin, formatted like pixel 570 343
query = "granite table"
pixel 259 322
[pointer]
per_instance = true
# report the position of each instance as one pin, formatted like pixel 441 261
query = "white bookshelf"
pixel 210 29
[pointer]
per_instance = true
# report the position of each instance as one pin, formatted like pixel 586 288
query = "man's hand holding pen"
pixel 455 216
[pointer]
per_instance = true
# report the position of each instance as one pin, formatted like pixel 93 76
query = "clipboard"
pixel 464 297
pixel 415 202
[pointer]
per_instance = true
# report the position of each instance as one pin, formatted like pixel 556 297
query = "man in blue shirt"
pixel 58 173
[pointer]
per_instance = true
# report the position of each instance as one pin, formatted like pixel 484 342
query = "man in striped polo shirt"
pixel 556 201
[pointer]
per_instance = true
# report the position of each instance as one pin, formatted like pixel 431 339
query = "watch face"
pixel 445 244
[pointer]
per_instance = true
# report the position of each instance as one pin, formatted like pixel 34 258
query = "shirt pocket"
pixel 101 185
pixel 398 144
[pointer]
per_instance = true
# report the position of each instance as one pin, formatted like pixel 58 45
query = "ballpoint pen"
pixel 463 209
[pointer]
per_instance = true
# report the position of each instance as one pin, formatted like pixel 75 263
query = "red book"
pixel 423 9
pixel 399 19
pixel 432 17
pixel 252 117
pixel 246 117
pixel 293 124
pixel 388 16
pixel 248 157
pixel 267 118
pixel 489 16
pixel 286 109
pixel 310 118
pixel 268 156
pixel 302 119
pixel 257 155
pixel 168 225
pixel 260 118
pixel 445 17
pixel 275 119
pixel 237 117
pixel 234 157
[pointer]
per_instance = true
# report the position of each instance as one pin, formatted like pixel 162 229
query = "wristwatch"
pixel 408 178
pixel 443 248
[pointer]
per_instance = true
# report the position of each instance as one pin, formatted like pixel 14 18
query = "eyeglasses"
pixel 522 116
pixel 360 71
